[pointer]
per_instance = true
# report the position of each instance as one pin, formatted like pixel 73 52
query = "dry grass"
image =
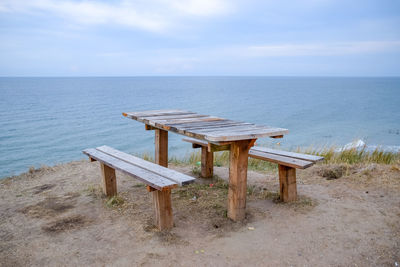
pixel 331 154
pixel 354 156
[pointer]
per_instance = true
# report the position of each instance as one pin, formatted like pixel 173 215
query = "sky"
pixel 200 37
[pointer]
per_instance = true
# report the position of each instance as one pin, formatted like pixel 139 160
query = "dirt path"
pixel 57 216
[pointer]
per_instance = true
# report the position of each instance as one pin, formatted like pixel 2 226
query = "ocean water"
pixel 51 120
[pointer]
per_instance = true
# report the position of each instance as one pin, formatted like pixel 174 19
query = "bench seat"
pixel 159 180
pixel 287 162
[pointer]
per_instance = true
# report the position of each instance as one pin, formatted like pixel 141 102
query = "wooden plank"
pixel 291 162
pixel 109 180
pixel 207 163
pixel 177 177
pixel 179 122
pixel 287 183
pixel 240 130
pixel 215 128
pixel 159 112
pixel 172 114
pixel 163 209
pixel 238 179
pixel 204 124
pixel 195 141
pixel 230 129
pixel 161 147
pixel 170 125
pixel 150 189
pixel 149 127
pixel 240 136
pixel 175 117
pixel 294 155
pixel 211 147
pixel 149 178
pixel 213 138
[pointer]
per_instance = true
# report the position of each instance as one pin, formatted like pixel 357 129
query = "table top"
pixel 204 127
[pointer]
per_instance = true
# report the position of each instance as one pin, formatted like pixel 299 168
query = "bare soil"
pixel 346 215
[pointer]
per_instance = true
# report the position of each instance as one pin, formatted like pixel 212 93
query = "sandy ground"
pixel 57 216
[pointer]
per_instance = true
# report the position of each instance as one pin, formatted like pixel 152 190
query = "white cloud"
pixel 200 7
pixel 152 15
pixel 320 49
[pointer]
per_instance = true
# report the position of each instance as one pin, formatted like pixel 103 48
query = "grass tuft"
pixel 114 201
pixel 331 155
pixel 354 156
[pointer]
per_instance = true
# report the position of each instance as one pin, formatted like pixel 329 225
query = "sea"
pixel 47 121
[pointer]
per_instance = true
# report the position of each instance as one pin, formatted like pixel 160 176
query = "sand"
pixel 57 216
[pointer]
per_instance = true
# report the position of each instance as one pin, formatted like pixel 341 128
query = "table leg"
pixel 239 153
pixel 207 163
pixel 161 143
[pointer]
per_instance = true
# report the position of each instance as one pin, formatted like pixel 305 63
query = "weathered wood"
pixel 238 179
pixel 204 128
pixel 161 147
pixel 161 112
pixel 211 147
pixel 207 163
pixel 277 136
pixel 229 128
pixel 196 146
pixel 177 177
pixel 109 180
pixel 176 117
pixel 160 186
pixel 214 148
pixel 149 127
pixel 294 155
pixel 287 183
pixel 215 125
pixel 150 178
pixel 163 209
pixel 244 135
pixel 283 160
pixel 180 122
pixel 150 189
pixel 184 122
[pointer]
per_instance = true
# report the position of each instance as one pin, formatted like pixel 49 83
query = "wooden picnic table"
pixel 237 136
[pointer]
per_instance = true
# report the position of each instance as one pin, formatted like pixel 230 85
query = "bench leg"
pixel 238 157
pixel 207 163
pixel 109 180
pixel 287 183
pixel 161 143
pixel 163 209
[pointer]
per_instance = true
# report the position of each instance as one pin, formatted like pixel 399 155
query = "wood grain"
pixel 161 147
pixel 109 180
pixel 204 127
pixel 146 176
pixel 287 183
pixel 283 160
pixel 177 177
pixel 238 179
pixel 294 155
pixel 163 209
pixel 207 163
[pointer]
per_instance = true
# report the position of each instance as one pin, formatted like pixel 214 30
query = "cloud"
pixel 320 49
pixel 200 7
pixel 152 15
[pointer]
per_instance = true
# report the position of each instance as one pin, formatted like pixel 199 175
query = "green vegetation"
pixel 353 156
pixel 331 155
pixel 114 201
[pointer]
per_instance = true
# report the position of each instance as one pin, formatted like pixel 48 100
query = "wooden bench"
pixel 159 180
pixel 287 162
